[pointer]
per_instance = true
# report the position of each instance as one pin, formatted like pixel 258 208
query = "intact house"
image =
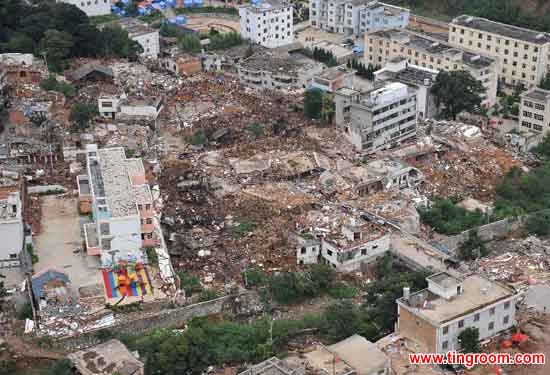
pixel 420 78
pixel 121 205
pixel 534 112
pixel 377 119
pixel 348 248
pixel 267 23
pixel 433 318
pixel 356 17
pixel 434 54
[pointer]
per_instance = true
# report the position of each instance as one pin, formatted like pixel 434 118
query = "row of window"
pixel 489 38
pixel 89 3
pixel 146 221
pixel 147 207
pixel 529 125
pixel 536 116
pixel 538 106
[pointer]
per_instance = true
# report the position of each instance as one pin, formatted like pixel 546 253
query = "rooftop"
pixel 337 50
pixel 537 94
pixel 503 29
pixel 133 26
pixel 276 63
pixel 266 5
pixel 272 366
pixel 117 185
pixel 369 232
pixel 109 357
pixel 143 194
pixel 360 354
pixel 135 167
pixel 152 101
pixel 477 292
pixel 334 72
pixel 421 42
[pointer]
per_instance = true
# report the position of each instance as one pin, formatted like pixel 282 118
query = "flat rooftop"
pixel 433 46
pixel 369 232
pixel 117 185
pixel 267 5
pixel 133 26
pixel 361 354
pixel 334 72
pixel 509 31
pixel 148 101
pixel 337 50
pixel 477 293
pixel 537 94
pixel 135 167
pixel 143 194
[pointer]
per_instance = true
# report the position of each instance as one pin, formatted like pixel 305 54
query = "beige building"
pixel 433 318
pixel 523 53
pixel 534 111
pixel 424 51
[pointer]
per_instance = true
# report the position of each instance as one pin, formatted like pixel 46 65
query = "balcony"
pixel 92 241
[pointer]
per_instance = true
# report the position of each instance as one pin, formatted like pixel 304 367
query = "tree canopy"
pixel 455 92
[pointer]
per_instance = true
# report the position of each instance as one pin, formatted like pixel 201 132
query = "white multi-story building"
pixel 267 23
pixel 11 223
pixel 378 119
pixel 147 37
pixel 534 111
pixel 91 7
pixel 523 53
pixel 424 51
pixel 122 206
pixel 356 17
pixel 433 318
pixel 112 106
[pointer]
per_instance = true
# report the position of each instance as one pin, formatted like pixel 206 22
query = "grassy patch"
pixel 242 227
pixel 152 256
pixel 207 9
pixel 446 218
pixel 97 20
pixel 342 291
pixel 189 283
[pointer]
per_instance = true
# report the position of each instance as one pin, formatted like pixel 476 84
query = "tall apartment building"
pixel 433 318
pixel 121 205
pixel 378 119
pixel 523 53
pixel 421 50
pixel 356 17
pixel 267 23
pixel 91 7
pixel 534 111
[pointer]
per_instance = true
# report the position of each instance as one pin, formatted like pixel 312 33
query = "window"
pixel 140 207
pixel 506 305
pixel 13 256
pixel 539 107
pixel 363 251
pixel 445 330
pixel 445 344
pixel 460 323
pixel 476 317
pixel 492 311
pixel 303 250
pixel 149 221
pixel 147 207
pixel 491 326
pixel 329 253
pixel 506 319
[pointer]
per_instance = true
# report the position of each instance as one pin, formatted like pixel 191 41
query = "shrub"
pixel 189 283
pixel 208 295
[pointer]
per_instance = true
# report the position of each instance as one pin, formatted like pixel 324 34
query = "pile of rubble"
pixel 524 261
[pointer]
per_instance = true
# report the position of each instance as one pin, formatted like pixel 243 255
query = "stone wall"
pixel 162 319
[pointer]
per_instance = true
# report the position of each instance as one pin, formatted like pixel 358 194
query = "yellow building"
pixel 422 50
pixel 523 53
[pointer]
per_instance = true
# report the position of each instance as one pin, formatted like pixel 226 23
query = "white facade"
pixel 378 119
pixel 307 250
pixel 91 7
pixel 11 228
pixel 351 17
pixel 269 24
pixel 149 42
pixel 115 107
pixel 534 111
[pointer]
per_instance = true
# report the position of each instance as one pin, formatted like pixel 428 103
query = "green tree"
pixel 256 130
pixel 61 367
pixel 190 43
pixel 543 148
pixel 290 287
pixel 82 114
pixel 189 283
pixel 208 295
pixel 447 218
pixel 469 340
pixel 313 103
pixel 455 92
pixel 55 46
pixel 342 320
pixel 539 223
pixel 115 42
pixel 545 82
pixel 51 84
pixel 322 276
pixel 473 247
pixel 19 42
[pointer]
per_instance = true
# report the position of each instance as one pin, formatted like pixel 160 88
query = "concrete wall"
pixel 498 229
pixel 163 319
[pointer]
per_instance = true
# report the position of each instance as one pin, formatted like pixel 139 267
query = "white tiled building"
pixel 356 17
pixel 91 7
pixel 377 119
pixel 534 111
pixel 267 23
pixel 11 224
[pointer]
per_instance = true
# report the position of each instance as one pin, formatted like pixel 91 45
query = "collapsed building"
pixel 133 108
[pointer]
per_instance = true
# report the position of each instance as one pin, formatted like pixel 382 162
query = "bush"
pixel 82 114
pixel 473 247
pixel 242 227
pixel 446 218
pixel 208 295
pixel 469 340
pixel 30 250
pixel 224 41
pixel 539 223
pixel 25 312
pixel 342 291
pixel 189 283
pixel 51 84
pixel 61 367
pixel 255 277
pixel 152 256
pixel 198 138
pixel 290 287
pixel 256 130
pixel 190 43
